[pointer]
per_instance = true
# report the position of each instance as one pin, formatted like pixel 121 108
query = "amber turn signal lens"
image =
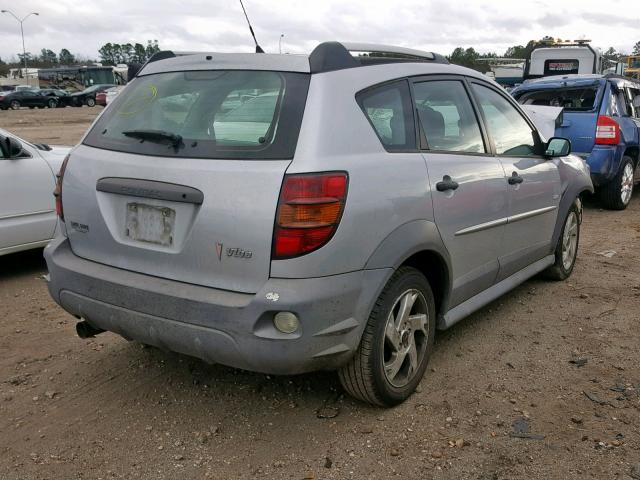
pixel 309 215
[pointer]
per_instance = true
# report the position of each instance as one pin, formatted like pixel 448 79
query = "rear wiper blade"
pixel 157 136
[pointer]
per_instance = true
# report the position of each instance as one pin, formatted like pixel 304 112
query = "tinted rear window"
pixel 571 98
pixel 217 113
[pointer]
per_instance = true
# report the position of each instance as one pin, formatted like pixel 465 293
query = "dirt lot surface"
pixel 58 126
pixel 560 358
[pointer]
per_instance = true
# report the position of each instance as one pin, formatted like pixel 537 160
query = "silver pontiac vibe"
pixel 291 213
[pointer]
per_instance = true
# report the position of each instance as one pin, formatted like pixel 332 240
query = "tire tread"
pixel 356 377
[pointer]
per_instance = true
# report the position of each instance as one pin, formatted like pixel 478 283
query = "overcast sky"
pixel 82 26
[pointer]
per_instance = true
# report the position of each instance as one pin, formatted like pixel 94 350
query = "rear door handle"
pixel 446 184
pixel 515 179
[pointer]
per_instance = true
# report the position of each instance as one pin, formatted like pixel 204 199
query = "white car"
pixel 27 180
pixel 112 93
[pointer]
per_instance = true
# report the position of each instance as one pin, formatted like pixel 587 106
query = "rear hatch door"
pixel 191 194
pixel 580 100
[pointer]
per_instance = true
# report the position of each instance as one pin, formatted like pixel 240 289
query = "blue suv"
pixel 602 119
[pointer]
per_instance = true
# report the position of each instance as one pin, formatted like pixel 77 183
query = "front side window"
pixel 510 132
pixel 447 117
pixel 388 109
pixel 206 114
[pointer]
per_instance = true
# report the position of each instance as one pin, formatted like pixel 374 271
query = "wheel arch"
pixel 634 153
pixel 418 244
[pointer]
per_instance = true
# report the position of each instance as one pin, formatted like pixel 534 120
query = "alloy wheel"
pixel 570 240
pixel 405 339
pixel 626 188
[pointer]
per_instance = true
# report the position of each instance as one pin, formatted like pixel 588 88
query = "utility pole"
pixel 280 43
pixel 24 50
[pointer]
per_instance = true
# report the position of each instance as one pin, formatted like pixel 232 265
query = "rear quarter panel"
pixel 386 190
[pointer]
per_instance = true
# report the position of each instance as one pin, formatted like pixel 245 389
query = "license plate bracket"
pixel 150 224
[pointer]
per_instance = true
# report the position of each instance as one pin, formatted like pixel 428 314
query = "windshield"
pixel 217 114
pixel 570 98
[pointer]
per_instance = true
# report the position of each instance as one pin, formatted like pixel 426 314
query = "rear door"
pixel 468 185
pixel 198 204
pixel 533 181
pixel 632 133
pixel 27 98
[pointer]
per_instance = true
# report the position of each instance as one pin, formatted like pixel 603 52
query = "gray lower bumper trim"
pixel 217 326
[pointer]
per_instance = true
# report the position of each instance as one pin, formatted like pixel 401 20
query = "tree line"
pixel 115 53
pixel 108 54
pixel 469 57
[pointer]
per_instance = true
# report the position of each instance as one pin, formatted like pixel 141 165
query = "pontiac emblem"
pixel 219 251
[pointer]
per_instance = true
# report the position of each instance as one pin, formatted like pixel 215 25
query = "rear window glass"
pixel 206 114
pixel 571 98
pixel 388 109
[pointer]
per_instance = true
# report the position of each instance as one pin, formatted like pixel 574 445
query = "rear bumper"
pixel 603 162
pixel 218 326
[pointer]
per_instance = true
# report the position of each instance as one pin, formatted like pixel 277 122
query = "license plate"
pixel 147 223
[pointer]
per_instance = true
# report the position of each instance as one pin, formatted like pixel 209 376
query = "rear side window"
pixel 510 132
pixel 388 109
pixel 572 99
pixel 634 93
pixel 447 117
pixel 206 114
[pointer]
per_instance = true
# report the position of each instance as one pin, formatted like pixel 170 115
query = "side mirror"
pixel 11 148
pixel 636 101
pixel 558 147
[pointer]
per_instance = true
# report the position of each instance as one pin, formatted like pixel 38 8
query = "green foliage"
pixel 48 57
pixel 471 59
pixel 636 48
pixel 66 58
pixel 4 68
pixel 114 53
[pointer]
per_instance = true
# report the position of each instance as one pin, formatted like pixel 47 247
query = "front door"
pixel 468 185
pixel 533 181
pixel 27 213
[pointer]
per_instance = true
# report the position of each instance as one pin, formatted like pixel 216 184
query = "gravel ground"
pixel 560 359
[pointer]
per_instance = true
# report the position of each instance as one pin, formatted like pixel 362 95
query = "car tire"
pixel 15 104
pixel 91 102
pixel 566 250
pixel 616 194
pixel 384 371
pixel 52 103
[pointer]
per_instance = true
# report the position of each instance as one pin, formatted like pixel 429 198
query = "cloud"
pixel 439 25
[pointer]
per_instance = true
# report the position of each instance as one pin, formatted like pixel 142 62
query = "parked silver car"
pixel 27 178
pixel 289 213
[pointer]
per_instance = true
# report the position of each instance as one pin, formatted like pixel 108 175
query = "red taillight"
pixel 607 131
pixel 309 211
pixel 57 192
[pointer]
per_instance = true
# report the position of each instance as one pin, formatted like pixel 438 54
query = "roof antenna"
pixel 258 47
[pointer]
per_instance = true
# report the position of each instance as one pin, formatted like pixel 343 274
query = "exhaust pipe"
pixel 85 330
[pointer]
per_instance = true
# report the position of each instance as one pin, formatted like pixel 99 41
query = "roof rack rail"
pixel 331 56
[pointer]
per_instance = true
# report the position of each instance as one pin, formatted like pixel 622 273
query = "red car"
pixel 101 99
